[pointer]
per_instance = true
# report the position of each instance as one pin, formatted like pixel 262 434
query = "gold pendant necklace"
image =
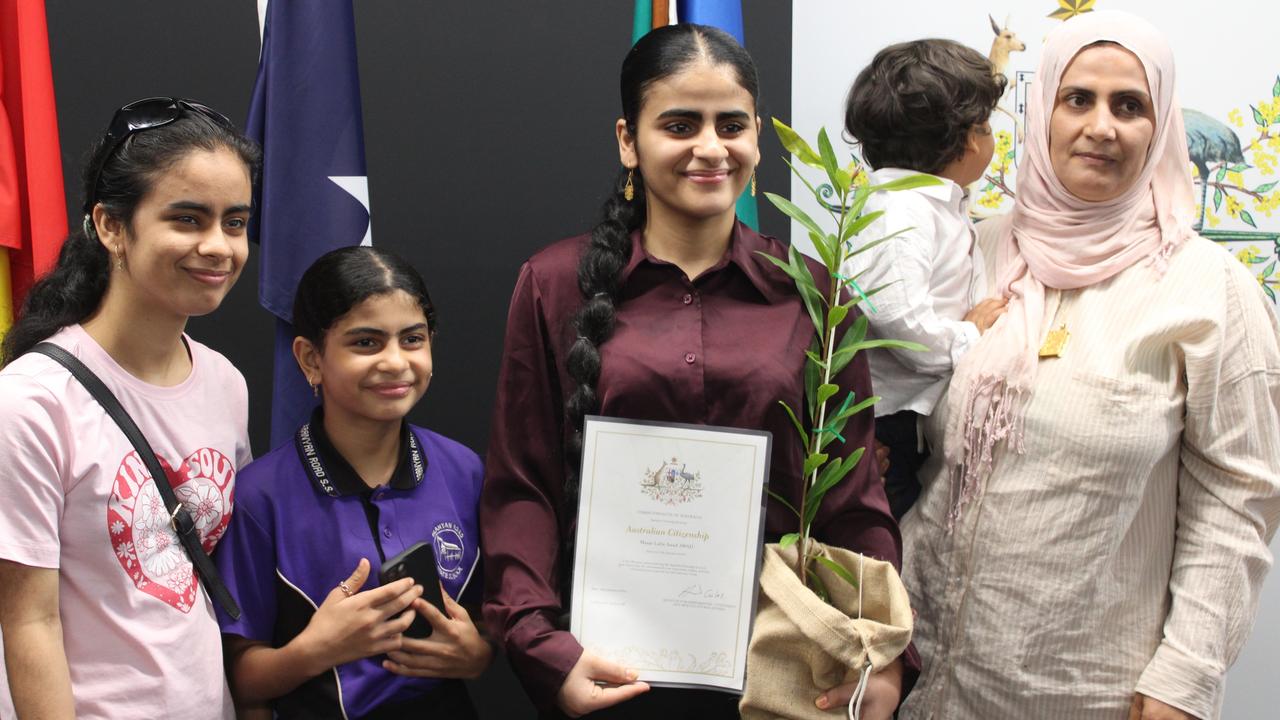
pixel 1055 342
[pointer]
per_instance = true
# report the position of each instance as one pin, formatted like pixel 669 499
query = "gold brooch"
pixel 1055 342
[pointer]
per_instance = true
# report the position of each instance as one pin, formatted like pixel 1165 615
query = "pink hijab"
pixel 1056 240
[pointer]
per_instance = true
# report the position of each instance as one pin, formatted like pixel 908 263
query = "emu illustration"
pixel 673 474
pixel 1209 141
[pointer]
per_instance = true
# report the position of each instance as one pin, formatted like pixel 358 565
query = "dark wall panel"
pixel 489 133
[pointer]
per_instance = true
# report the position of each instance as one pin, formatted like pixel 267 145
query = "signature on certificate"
pixel 697 591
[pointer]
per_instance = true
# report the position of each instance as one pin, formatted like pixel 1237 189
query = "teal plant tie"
pixel 831 426
pixel 858 289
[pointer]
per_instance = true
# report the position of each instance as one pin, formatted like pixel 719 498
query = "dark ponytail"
pixel 65 296
pixel 658 55
pixel 74 288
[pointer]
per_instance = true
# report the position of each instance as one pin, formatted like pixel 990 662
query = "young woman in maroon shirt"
pixel 665 311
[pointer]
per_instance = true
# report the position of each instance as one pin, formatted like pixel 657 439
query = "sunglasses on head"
pixel 143 115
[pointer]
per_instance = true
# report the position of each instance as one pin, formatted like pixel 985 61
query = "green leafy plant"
pixel 831 350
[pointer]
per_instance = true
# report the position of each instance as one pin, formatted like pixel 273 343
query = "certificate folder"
pixel 668 550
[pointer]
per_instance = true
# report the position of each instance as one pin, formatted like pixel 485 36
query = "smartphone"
pixel 419 563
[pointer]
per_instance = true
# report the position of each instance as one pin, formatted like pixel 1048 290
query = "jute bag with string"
pixel 802 646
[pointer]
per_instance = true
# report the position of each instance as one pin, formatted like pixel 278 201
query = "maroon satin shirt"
pixel 719 350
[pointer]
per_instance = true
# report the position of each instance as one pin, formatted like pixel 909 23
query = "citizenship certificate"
pixel 667 556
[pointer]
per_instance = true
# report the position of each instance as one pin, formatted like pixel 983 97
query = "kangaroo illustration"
pixel 1005 42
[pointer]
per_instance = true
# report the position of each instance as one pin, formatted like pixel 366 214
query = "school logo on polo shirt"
pixel 449 547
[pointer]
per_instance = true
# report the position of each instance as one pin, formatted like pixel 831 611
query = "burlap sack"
pixel 802 646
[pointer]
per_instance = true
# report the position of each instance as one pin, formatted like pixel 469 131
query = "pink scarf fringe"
pixel 1002 419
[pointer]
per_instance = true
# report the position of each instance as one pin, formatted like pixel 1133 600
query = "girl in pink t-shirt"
pixel 101 613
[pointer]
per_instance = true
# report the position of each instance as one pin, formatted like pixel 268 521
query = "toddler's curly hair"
pixel 914 105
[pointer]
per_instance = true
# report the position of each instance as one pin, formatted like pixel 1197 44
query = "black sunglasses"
pixel 142 115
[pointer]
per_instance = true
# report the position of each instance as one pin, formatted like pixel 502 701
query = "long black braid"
pixel 605 256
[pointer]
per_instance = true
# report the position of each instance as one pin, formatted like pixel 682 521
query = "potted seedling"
pixel 826 615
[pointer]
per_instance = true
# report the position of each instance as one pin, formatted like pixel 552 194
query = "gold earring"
pixel 753 183
pixel 119 259
pixel 629 190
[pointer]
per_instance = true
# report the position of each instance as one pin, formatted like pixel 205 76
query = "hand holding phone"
pixel 417 562
pixel 455 650
pixel 343 628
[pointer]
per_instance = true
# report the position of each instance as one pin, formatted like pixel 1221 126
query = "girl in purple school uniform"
pixel 317 517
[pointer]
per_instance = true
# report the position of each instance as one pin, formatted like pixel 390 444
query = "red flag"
pixel 33 219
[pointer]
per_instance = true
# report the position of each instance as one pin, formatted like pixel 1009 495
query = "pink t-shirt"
pixel 139 631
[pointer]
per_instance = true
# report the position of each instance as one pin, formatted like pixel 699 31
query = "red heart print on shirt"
pixel 145 544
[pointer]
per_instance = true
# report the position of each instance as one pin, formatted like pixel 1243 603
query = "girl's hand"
pixel 1149 708
pixel 580 694
pixel 454 649
pixel 350 624
pixel 884 692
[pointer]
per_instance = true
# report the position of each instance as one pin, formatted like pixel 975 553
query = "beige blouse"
pixel 1124 550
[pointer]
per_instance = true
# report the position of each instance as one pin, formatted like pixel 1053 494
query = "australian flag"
pixel 314 193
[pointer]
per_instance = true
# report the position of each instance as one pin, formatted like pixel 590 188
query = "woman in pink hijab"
pixel 1092 540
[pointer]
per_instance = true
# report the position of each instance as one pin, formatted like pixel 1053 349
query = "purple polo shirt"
pixel 303 520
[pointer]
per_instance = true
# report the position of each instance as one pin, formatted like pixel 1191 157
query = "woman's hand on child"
pixel 350 624
pixel 454 649
pixel 595 683
pixel 986 312
pixel 884 692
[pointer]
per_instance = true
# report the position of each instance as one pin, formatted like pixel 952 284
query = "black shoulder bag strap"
pixel 179 519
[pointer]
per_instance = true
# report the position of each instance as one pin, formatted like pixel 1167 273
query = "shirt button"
pixel 687 299
pixel 386 532
pixel 690 357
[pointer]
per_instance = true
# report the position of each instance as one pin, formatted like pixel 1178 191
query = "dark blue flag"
pixel 724 14
pixel 314 192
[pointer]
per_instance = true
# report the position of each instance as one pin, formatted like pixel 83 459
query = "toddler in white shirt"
pixel 921 107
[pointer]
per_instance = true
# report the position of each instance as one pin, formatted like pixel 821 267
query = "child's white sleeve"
pixel 903 308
